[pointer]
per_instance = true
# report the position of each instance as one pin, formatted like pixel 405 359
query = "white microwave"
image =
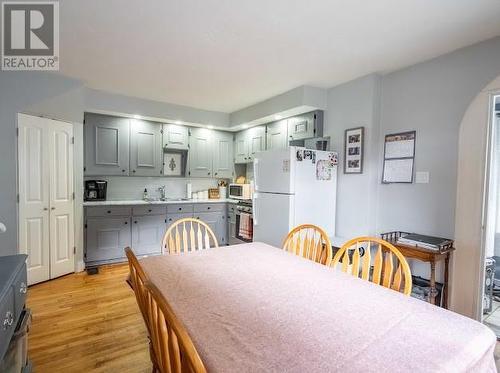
pixel 240 191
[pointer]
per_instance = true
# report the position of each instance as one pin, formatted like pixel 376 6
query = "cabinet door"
pixel 277 136
pixel 107 238
pixel 223 154
pixel 175 136
pixel 147 234
pixel 217 222
pixel 145 149
pixel 172 218
pixel 302 126
pixel 256 141
pixel 106 145
pixel 200 152
pixel 241 147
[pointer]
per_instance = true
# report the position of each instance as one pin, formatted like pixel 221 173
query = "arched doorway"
pixel 468 261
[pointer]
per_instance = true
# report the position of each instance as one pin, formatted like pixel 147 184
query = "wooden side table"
pixel 430 256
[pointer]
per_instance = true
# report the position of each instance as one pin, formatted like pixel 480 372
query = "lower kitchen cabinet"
pixel 106 238
pixel 109 230
pixel 147 234
pixel 217 222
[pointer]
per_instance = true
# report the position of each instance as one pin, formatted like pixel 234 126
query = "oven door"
pixel 245 235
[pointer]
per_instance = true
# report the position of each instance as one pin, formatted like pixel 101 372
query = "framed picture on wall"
pixel 399 158
pixel 353 150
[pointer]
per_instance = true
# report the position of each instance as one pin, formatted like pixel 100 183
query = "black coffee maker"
pixel 95 190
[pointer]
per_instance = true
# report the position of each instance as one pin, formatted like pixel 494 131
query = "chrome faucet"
pixel 162 192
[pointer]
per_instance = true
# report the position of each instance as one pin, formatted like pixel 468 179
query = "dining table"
pixel 257 308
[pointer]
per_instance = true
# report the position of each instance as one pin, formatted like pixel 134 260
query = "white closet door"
pixel 34 196
pixel 60 159
pixel 46 228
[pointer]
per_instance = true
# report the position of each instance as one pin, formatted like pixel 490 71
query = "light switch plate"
pixel 422 177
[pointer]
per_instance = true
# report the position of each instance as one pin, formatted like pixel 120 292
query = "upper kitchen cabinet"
pixel 200 152
pixel 306 126
pixel 146 155
pixel 277 135
pixel 223 154
pixel 106 145
pixel 241 147
pixel 249 142
pixel 256 141
pixel 175 137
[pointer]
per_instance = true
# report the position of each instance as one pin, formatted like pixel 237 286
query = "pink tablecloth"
pixel 256 308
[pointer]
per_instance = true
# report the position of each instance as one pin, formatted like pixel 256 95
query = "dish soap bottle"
pixel 145 195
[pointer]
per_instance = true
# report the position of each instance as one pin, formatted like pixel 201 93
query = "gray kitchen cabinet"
pixel 106 237
pixel 106 144
pixel 249 142
pixel 200 152
pixel 147 234
pixel 146 155
pixel 256 141
pixel 223 154
pixel 241 147
pixel 306 126
pixel 175 137
pixel 172 218
pixel 277 135
pixel 217 222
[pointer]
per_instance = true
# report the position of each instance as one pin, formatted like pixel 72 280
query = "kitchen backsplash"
pixel 131 188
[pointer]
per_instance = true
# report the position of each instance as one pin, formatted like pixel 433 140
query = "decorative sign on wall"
pixel 399 157
pixel 172 164
pixel 353 150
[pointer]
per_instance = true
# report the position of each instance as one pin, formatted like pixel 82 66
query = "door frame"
pixel 78 161
pixel 492 96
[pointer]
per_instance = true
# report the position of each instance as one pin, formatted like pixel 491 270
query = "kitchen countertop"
pixel 142 202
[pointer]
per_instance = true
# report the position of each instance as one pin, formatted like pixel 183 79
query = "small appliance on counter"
pixel 95 190
pixel 240 191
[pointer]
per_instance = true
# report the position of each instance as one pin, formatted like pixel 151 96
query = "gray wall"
pixel 33 93
pixel 431 98
pixel 350 105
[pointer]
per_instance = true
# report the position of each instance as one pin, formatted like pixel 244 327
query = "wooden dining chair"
pixel 188 234
pixel 171 343
pixel 351 257
pixel 310 242
pixel 138 278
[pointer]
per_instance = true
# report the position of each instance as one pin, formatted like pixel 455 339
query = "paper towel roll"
pixel 2 228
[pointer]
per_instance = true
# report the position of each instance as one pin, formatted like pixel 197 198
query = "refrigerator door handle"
pixel 255 174
pixel 255 213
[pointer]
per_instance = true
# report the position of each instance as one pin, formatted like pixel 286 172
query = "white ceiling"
pixel 224 55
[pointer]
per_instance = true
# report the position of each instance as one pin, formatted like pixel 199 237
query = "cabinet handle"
pixel 8 320
pixel 209 173
pixel 45 209
pixel 150 210
pixel 109 211
pixel 123 170
pixel 23 288
pixel 180 208
pixel 216 173
pixel 208 208
pixel 135 221
pixel 52 208
pixel 126 222
pixel 133 171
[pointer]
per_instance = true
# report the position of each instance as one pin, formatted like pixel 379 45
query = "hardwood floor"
pixel 85 323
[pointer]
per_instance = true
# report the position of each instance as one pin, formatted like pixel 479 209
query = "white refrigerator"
pixel 293 186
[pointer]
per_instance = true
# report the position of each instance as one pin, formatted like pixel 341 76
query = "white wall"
pixel 132 188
